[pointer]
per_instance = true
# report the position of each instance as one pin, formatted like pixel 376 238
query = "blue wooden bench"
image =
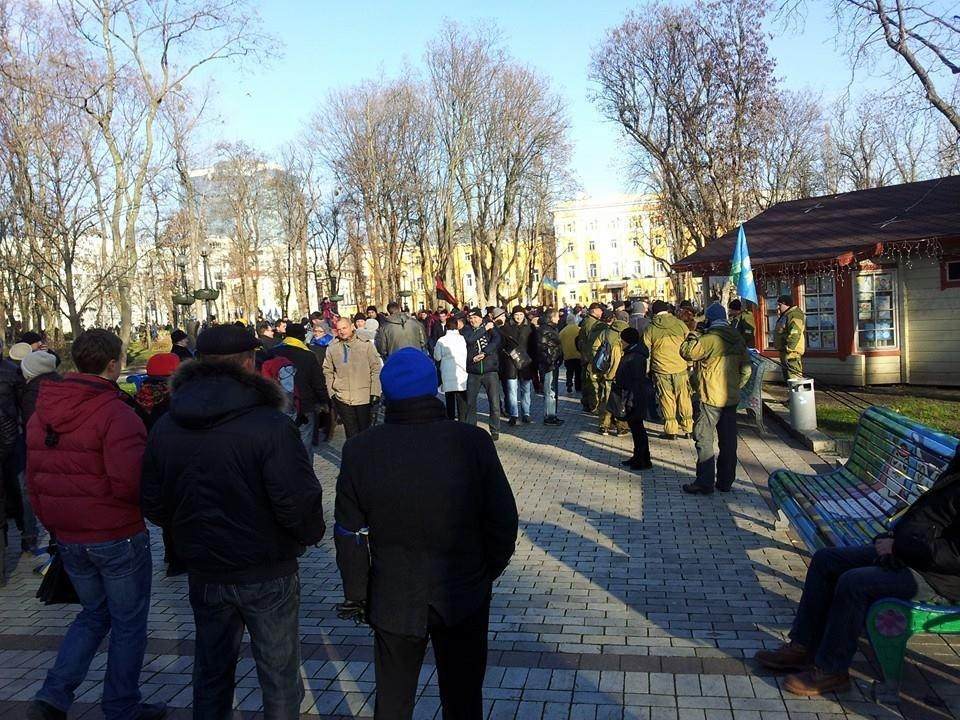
pixel 894 460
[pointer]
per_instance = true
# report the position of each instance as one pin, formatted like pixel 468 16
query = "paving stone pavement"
pixel 625 600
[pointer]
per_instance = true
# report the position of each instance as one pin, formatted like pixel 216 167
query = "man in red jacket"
pixel 84 451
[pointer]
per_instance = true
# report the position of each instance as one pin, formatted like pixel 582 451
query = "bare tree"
pixel 138 53
pixel 693 87
pixel 923 34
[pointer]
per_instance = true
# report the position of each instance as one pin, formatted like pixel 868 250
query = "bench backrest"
pixel 897 459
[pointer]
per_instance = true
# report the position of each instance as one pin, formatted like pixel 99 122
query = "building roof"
pixel 841 228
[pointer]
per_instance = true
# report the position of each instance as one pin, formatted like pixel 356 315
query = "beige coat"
pixel 352 371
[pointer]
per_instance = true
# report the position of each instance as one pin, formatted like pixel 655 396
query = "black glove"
pixel 353 610
pixel 374 399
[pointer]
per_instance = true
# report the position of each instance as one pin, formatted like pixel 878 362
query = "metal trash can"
pixel 803 404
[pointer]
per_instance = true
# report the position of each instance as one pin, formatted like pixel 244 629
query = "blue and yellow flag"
pixel 551 282
pixel 741 272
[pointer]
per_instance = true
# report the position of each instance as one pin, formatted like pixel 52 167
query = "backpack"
pixel 603 360
pixel 284 373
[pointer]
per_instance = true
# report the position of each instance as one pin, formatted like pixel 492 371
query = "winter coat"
pixel 663 338
pixel 84 450
pixel 481 341
pixel 517 336
pixel 723 365
pixel 225 472
pixel 400 331
pixel 31 391
pixel 610 333
pixel 549 347
pixel 583 338
pixel 631 381
pixel 153 400
pixel 790 336
pixel 451 353
pixel 747 327
pixel 440 532
pixel 309 379
pixel 352 371
pixel 639 322
pixel 927 535
pixel 11 388
pixel 568 341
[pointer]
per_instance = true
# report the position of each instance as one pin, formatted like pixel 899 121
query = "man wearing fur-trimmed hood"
pixel 226 474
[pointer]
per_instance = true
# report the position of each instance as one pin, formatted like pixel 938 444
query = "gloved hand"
pixel 353 610
pixel 374 399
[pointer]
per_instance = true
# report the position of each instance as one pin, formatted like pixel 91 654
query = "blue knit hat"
pixel 408 373
pixel 714 313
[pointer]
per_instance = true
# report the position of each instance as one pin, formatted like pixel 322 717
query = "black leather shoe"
pixel 152 711
pixel 726 488
pixel 527 420
pixel 642 466
pixel 512 422
pixel 628 461
pixel 39 710
pixel 694 489
pixel 494 435
pixel 669 437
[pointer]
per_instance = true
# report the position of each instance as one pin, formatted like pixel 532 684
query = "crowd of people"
pixel 215 448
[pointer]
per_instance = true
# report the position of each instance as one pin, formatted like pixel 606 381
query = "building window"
pixel 616 269
pixel 535 275
pixel 593 270
pixel 637 268
pixel 772 289
pixel 468 280
pixel 949 273
pixel 569 247
pixel 573 294
pixel 570 227
pixel 613 244
pixel 571 272
pixel 876 304
pixel 592 245
pixel 820 306
pixel 595 295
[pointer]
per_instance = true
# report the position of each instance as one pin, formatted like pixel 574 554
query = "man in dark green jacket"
pixel 589 396
pixel 791 337
pixel 723 367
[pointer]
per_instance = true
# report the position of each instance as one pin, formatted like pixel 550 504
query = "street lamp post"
pixel 182 299
pixel 206 293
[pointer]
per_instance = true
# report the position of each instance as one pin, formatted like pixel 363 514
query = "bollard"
pixel 803 404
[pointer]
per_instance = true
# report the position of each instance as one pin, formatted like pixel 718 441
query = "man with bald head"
pixel 351 368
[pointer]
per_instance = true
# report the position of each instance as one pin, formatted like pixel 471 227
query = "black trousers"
pixel 491 383
pixel 355 418
pixel 461 657
pixel 574 375
pixel 456 405
pixel 641 443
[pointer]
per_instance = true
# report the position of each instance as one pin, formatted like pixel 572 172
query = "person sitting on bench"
pixel 919 560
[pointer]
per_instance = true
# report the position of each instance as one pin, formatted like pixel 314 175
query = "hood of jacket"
pixel 207 394
pixel 65 406
pixel 399 319
pixel 666 321
pixel 730 336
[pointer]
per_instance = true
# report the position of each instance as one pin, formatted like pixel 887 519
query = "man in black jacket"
pixel 225 473
pixel 919 560
pixel 440 533
pixel 549 357
pixel 483 366
pixel 517 334
pixel 309 381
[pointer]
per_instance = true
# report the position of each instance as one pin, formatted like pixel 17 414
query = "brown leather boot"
pixel 816 682
pixel 789 656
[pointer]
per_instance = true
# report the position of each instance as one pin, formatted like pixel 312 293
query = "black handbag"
pixel 519 357
pixel 56 588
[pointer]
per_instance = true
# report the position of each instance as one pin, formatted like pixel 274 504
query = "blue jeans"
pixel 112 580
pixel 526 393
pixel 270 613
pixel 551 381
pixel 841 585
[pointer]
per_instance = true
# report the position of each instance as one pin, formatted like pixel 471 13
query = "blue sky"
pixel 328 45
